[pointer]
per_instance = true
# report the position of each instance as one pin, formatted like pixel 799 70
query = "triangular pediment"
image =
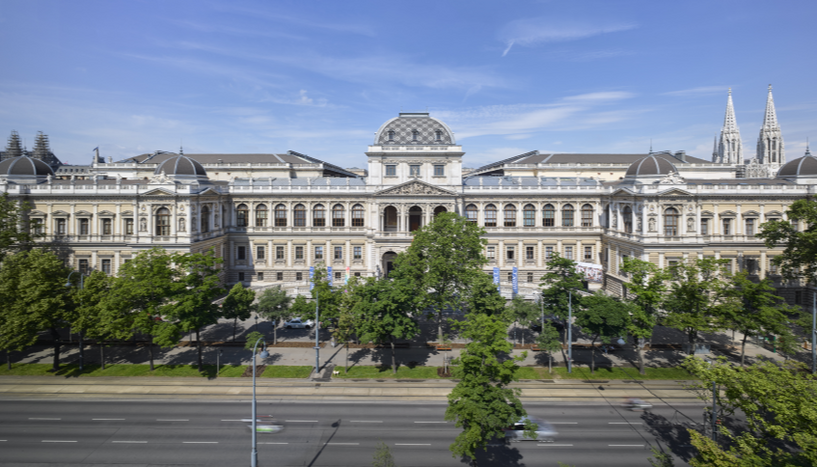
pixel 624 191
pixel 415 188
pixel 158 192
pixel 209 191
pixel 675 192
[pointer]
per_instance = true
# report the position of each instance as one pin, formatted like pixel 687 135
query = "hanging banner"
pixel 347 275
pixel 329 274
pixel 515 279
pixel 311 277
pixel 496 279
pixel 592 272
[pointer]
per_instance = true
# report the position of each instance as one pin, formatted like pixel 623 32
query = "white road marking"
pixel 130 442
pixel 172 420
pixel 3 440
pixel 411 444
pixel 555 445
pixel 107 419
pixel 626 445
pixel 57 441
pixel 301 421
pixel 30 418
pixel 624 423
pixel 343 444
pixel 366 421
pixel 199 442
pixel 430 422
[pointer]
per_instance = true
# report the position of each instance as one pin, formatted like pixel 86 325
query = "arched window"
pixel 357 215
pixel 241 214
pixel 163 222
pixel 529 216
pixel 490 216
pixel 390 219
pixel 627 215
pixel 548 216
pixel 318 216
pixel 510 215
pixel 205 219
pixel 671 222
pixel 438 135
pixel 587 215
pixel 280 216
pixel 299 216
pixel 567 215
pixel 391 135
pixel 471 213
pixel 338 216
pixel 261 215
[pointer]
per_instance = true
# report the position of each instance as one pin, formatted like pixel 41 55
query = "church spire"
pixel 730 149
pixel 770 148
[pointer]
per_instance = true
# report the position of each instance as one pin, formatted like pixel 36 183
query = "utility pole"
pixel 570 331
pixel 317 335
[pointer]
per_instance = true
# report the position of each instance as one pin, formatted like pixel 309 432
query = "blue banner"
pixel 515 278
pixel 311 276
pixel 329 273
pixel 496 279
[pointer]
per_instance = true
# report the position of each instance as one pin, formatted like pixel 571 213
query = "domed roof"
pixel 416 128
pixel 181 166
pixel 805 166
pixel 24 166
pixel 652 165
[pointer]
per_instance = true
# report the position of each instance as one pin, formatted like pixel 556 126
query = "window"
pixel 163 222
pixel 106 226
pixel 548 252
pixel 510 215
pixel 471 213
pixel 299 276
pixel 299 253
pixel 438 135
pixel 510 277
pixel 751 265
pixel 205 219
pixel 529 216
pixel 627 219
pixel 261 215
pixel 128 226
pixel 569 252
pixel 83 266
pixel 530 277
pixel 529 253
pixel 241 253
pixel 391 135
pixel 241 215
pixel 338 252
pixel 414 170
pixel 439 170
pixel 279 252
pixel 391 170
pixel 338 216
pixel 318 252
pixel 357 274
pixel 794 225
pixel 357 215
pixel 83 226
pixel 279 276
pixel 798 297
pixel 490 252
pixel 772 267
pixel 318 216
pixel 704 226
pixel 671 222
pixel 548 216
pixel 588 253
pixel 280 216
pixel 587 216
pixel 415 135
pixel 240 277
pixel 338 276
pixel 260 252
pixel 567 215
pixel 726 224
pixel 299 216
pixel 260 276
pixel 358 252
pixel 750 226
pixel 490 216
pixel 509 253
pixel 106 266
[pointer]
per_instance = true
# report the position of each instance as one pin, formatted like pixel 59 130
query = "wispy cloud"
pixel 534 31
pixel 699 91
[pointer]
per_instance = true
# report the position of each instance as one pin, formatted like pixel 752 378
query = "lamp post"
pixel 264 354
pixel 81 286
pixel 570 331
pixel 317 334
pixel 714 402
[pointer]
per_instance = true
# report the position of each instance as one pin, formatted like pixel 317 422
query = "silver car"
pixel 516 432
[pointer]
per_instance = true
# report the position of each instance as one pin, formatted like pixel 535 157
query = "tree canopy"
pixel 560 286
pixel 17 231
pixel 798 236
pixel 274 304
pixel 604 318
pixel 238 304
pixel 647 291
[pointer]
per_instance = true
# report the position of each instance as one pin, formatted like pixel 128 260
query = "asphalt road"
pixel 164 433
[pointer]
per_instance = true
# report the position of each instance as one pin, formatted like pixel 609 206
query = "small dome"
pixel 651 166
pixel 412 128
pixel 805 166
pixel 24 166
pixel 181 166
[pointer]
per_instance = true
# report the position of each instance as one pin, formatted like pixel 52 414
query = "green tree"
pixel 777 402
pixel 238 304
pixel 548 340
pixel 604 318
pixel 35 299
pixel 348 318
pixel 383 456
pixel 484 296
pixel 441 265
pixel 274 305
pixel 648 286
pixel 559 287
pixel 482 403
pixel 799 258
pixel 523 312
pixel 385 314
pixel 328 296
pixel 302 308
pixel 252 338
pixel 90 300
pixel 17 231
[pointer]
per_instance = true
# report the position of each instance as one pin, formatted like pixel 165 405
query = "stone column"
pixel 539 253
pixel 232 254
pixel 116 260
pixel 501 254
pixel 289 254
pixel 270 252
pixel 348 254
pixel 739 229
pixel 579 251
pixel 308 253
pixel 716 229
pixel 762 264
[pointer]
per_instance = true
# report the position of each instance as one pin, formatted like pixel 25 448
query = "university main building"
pixel 273 216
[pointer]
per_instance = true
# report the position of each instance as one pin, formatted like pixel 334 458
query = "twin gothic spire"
pixel 770 148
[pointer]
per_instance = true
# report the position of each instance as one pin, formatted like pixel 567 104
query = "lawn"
pixel 276 371
pixel 385 372
pixel 621 373
pixel 72 370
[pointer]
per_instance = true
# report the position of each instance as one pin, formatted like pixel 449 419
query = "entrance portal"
pixel 388 262
pixel 415 218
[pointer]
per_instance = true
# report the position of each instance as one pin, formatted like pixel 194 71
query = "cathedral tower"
pixel 729 147
pixel 771 151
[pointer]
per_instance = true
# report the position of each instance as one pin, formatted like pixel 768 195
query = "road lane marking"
pixel 107 419
pixel 57 441
pixel 366 421
pixel 343 444
pixel 624 423
pixel 199 442
pixel 172 420
pixel 3 440
pixel 411 444
pixel 555 445
pixel 130 442
pixel 626 445
pixel 430 422
pixel 301 421
pixel 30 418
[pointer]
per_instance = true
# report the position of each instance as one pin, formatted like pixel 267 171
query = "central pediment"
pixel 416 188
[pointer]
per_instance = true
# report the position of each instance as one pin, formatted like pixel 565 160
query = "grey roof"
pixel 181 165
pixel 315 181
pixel 805 166
pixel 651 165
pixel 24 166
pixel 225 158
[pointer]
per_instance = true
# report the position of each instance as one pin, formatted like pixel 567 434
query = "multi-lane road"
pixel 160 433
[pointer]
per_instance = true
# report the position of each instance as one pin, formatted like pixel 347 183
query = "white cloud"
pixel 699 91
pixel 534 31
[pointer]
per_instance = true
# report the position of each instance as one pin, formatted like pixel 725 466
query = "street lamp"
pixel 264 354
pixel 81 285
pixel 317 336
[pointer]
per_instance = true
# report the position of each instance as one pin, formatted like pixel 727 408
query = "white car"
pixel 298 324
pixel 516 432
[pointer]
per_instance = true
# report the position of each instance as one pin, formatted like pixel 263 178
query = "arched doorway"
pixel 388 262
pixel 390 219
pixel 439 209
pixel 415 218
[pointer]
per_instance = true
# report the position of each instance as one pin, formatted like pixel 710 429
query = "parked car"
pixel 297 323
pixel 516 432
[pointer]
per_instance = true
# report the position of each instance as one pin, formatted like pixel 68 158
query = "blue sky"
pixel 321 77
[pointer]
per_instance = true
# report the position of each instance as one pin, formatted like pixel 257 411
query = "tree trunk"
pixel 56 336
pixel 743 349
pixel 274 333
pixel 8 359
pixel 235 324
pixel 102 354
pixel 440 327
pixel 393 358
pixel 640 349
pixel 150 350
pixel 550 363
pixel 198 348
pixel 346 364
pixel 593 357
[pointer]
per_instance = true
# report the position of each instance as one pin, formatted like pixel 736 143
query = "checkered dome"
pixel 414 129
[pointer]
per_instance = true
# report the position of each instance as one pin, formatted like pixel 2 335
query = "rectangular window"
pixel 106 226
pixel 279 252
pixel 279 276
pixel 726 224
pixel 37 226
pixel 338 276
pixel 358 252
pixel 510 277
pixel 299 276
pixel 338 252
pixel 530 277
pixel 530 254
pixel 241 253
pixel 299 252
pixel 587 218
pixel 509 252
pixel 128 226
pixel 750 226
pixel 83 266
pixel 240 277
pixel 83 226
pixel 414 170
pixel 772 267
pixel 318 252
pixel 794 225
pixel 106 266
pixel 569 252
pixel 704 226
pixel 391 170
pixel 548 252
pixel 439 170
pixel 751 266
pixel 260 276
pixel 491 253
pixel 588 253
pixel 60 227
pixel 260 252
pixel 798 297
pixel 357 274
pixel 529 218
pixel 510 217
